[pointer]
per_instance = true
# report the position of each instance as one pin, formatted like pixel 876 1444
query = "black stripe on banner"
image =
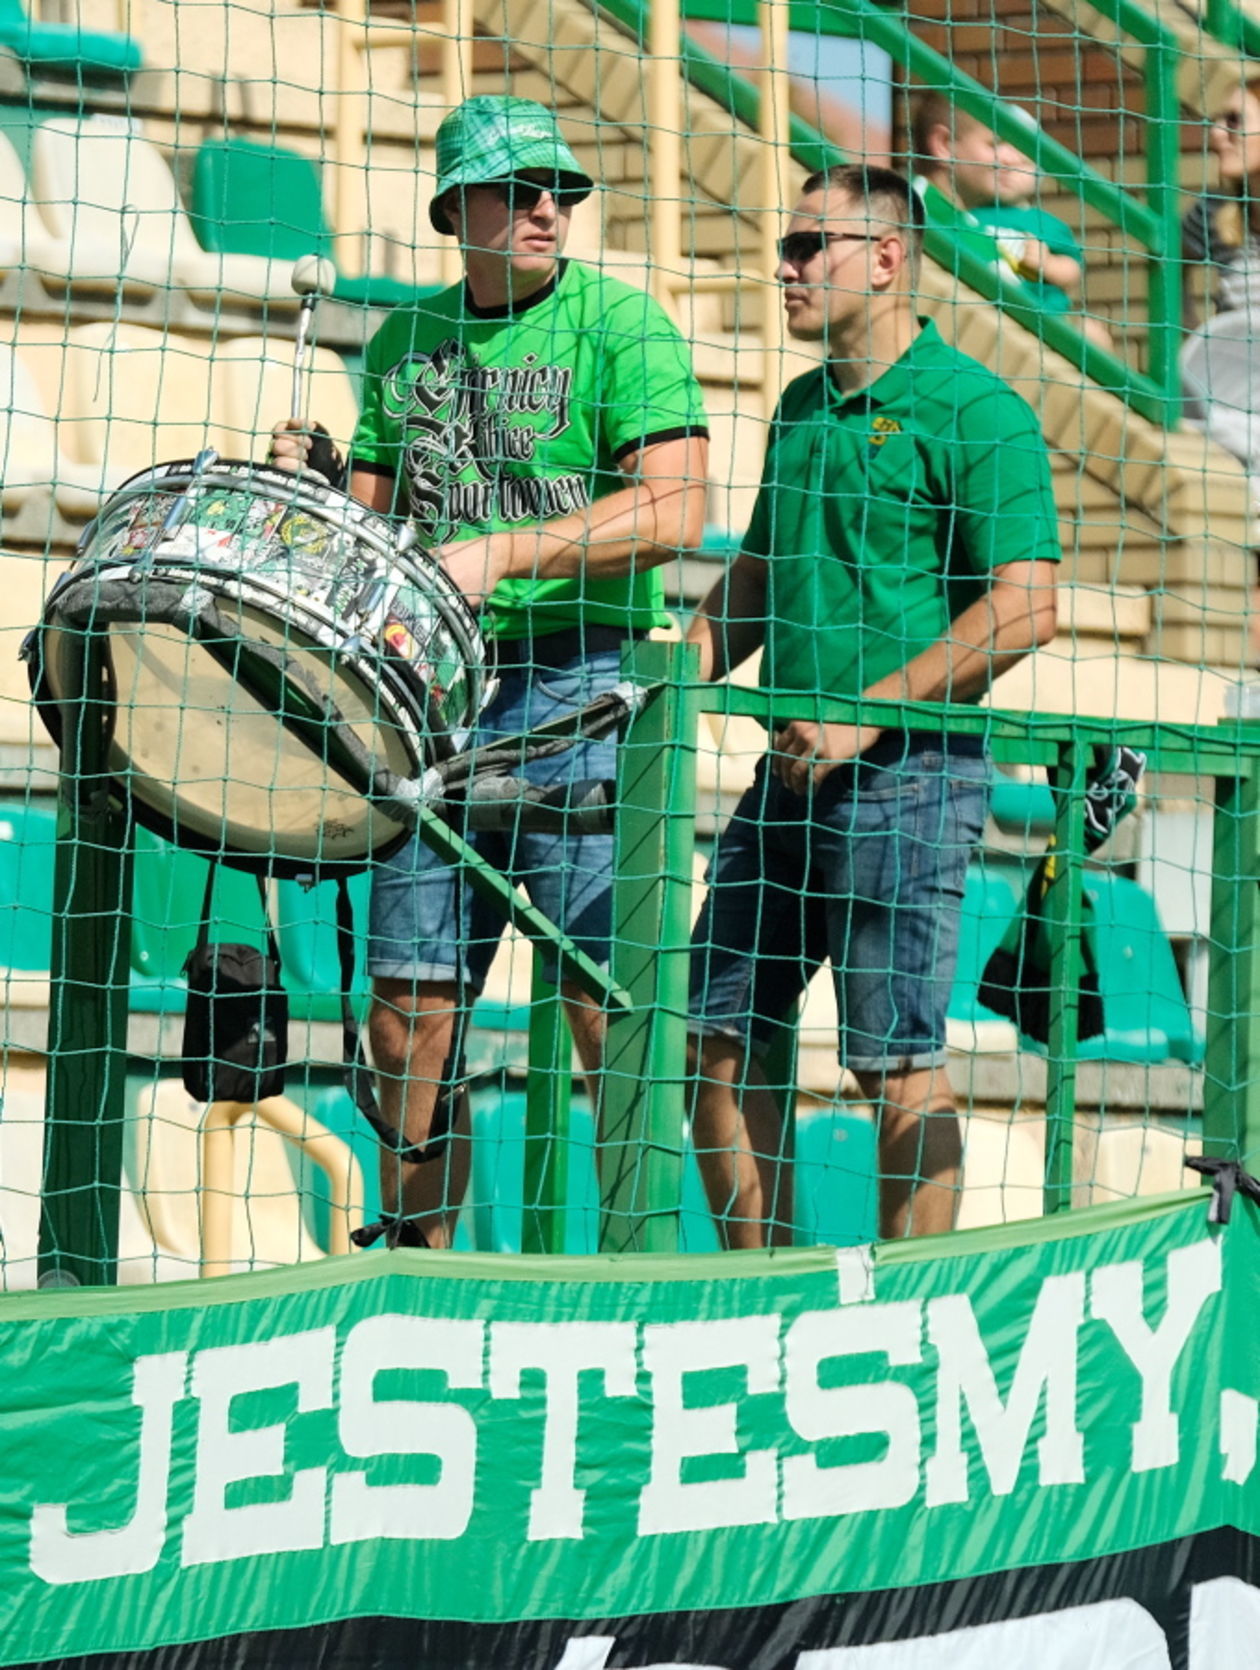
pixel 1159 1579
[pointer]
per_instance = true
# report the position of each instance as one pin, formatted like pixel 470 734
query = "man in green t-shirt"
pixel 542 426
pixel 902 547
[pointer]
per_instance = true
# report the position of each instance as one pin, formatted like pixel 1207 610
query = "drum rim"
pixel 312 493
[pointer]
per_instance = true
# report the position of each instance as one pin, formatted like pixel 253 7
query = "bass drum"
pixel 281 661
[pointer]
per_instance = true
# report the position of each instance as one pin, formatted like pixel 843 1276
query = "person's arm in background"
pixel 1037 260
pixel 731 622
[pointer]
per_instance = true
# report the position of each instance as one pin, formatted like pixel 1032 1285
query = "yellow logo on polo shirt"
pixel 884 427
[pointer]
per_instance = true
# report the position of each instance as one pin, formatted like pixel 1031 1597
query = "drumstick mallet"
pixel 313 276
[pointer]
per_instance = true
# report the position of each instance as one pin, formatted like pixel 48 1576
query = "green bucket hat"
pixel 493 137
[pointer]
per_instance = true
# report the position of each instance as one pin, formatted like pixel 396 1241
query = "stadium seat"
pixel 162 1165
pixel 1147 1016
pixel 837 1202
pixel 28 834
pixel 1020 806
pixel 132 398
pixel 306 932
pixel 989 901
pixel 252 380
pixel 167 895
pixel 30 454
pixel 109 197
pixel 65 51
pixel 493 1219
pixel 24 239
pixel 266 202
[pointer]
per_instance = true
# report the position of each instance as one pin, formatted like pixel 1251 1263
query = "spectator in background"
pixel 1222 229
pixel 995 186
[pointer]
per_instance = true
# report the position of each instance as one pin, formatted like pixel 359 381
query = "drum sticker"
pixel 356 570
pixel 140 532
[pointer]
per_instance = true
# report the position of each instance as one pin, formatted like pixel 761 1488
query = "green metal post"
pixel 1163 196
pixel 1063 917
pixel 1231 1085
pixel 548 1132
pixel 641 1138
pixel 87 1020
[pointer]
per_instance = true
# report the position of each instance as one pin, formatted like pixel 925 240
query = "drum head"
pixel 207 766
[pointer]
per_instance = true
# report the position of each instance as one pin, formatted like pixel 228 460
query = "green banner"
pixel 487 1439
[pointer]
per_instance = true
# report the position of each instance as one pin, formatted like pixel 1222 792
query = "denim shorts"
pixel 868 870
pixel 425 926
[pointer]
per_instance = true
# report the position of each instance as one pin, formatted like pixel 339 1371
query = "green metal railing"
pixel 1154 224
pixel 645 1087
pixel 1233 27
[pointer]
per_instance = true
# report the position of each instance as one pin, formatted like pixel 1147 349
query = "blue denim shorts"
pixel 425 926
pixel 868 870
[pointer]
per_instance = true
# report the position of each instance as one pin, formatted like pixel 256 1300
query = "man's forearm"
pixel 637 528
pixel 986 640
pixel 731 622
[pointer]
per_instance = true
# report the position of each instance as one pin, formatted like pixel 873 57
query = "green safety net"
pixel 255 671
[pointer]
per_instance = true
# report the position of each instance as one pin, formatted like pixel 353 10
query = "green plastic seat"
pixel 989 901
pixel 1147 1017
pixel 65 51
pixel 837 1192
pixel 28 836
pixel 264 200
pixel 167 893
pixel 1021 808
pixel 306 932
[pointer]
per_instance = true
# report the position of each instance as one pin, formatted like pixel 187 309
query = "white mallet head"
pixel 314 275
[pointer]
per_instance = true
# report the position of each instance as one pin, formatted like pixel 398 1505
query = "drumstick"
pixel 313 276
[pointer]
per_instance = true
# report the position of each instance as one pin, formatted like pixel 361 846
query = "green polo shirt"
pixel 883 512
pixel 497 419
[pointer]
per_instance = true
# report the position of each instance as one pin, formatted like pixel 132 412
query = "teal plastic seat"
pixel 66 52
pixel 1147 1017
pixel 989 901
pixel 1021 808
pixel 265 200
pixel 28 837
pixel 167 892
pixel 836 1174
pixel 306 932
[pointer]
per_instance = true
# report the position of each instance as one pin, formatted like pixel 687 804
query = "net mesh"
pixel 162 169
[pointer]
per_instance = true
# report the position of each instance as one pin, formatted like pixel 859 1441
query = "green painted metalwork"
pixel 1231 1089
pixel 641 1135
pixel 87 1018
pixel 548 1098
pixel 1232 26
pixel 1063 913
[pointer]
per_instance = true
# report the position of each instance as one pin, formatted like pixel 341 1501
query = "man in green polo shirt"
pixel 902 547
pixel 541 424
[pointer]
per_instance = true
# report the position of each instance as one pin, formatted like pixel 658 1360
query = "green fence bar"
pixel 641 1137
pixel 1231 1089
pixel 87 1018
pixel 548 1134
pixel 1063 913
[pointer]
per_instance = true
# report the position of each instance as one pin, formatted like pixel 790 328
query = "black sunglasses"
pixel 526 195
pixel 798 249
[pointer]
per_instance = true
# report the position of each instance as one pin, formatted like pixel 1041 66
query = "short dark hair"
pixel 934 110
pixel 889 194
